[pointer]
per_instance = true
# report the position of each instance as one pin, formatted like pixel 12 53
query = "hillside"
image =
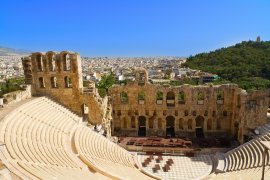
pixel 5 51
pixel 246 63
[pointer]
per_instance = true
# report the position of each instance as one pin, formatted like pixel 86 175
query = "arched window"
pixel 181 97
pixel 68 83
pixel 39 62
pixel 141 97
pixel 220 97
pixel 124 97
pixel 141 78
pixel 200 97
pixel 181 123
pixel 41 82
pixel 170 98
pixel 66 62
pixel 159 97
pixel 54 82
pixel 52 62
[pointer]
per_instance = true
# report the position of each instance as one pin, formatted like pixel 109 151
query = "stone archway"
pixel 170 123
pixel 141 126
pixel 199 128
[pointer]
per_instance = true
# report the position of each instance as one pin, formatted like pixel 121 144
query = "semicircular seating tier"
pixel 105 156
pixel 247 157
pixel 38 144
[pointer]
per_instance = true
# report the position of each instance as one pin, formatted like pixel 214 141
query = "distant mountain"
pixel 5 51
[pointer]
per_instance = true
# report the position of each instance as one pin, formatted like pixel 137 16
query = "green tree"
pixel 105 83
pixel 246 64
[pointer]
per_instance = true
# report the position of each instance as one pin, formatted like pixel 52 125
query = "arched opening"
pixel 170 98
pixel 142 78
pixel 124 97
pixel 220 97
pixel 141 126
pixel 159 97
pixel 200 98
pixel 141 97
pixel 66 62
pixel 39 62
pixel 54 82
pixel 181 123
pixel 68 83
pixel 52 62
pixel 84 111
pixel 170 126
pixel 41 82
pixel 199 126
pixel 181 97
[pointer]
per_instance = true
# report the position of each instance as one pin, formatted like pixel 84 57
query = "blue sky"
pixel 132 27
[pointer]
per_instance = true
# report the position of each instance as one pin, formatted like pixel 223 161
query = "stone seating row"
pixel 107 157
pixel 62 109
pixel 252 173
pixel 248 155
pixel 36 137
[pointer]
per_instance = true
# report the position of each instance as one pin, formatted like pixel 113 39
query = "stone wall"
pixel 17 96
pixel 59 76
pixel 216 110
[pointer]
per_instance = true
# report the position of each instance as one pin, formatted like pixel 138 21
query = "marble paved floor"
pixel 183 167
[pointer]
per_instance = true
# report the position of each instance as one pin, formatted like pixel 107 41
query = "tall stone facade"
pixel 143 109
pixel 59 76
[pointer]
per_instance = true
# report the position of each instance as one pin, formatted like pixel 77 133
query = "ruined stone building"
pixel 144 109
pixel 59 76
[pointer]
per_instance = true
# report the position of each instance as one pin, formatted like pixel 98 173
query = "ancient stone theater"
pixel 57 129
